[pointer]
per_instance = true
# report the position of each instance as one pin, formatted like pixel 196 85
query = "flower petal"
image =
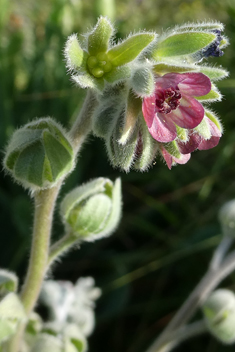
pixel 183 159
pixel 167 157
pixel 170 159
pixel 189 114
pixel 163 129
pixel 194 84
pixel 191 145
pixel 148 109
pixel 215 137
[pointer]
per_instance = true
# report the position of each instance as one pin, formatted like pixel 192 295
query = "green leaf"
pixel 130 48
pixel 180 44
pixel 8 281
pixel 74 54
pixel 98 39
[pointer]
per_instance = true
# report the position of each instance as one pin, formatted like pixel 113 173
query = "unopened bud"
pixel 227 218
pixel 39 154
pixel 219 312
pixel 93 211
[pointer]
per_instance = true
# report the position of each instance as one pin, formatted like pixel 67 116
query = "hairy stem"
pixel 44 208
pixel 182 334
pixel 60 247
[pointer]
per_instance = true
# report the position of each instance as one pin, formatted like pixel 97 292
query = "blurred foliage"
pixel 170 228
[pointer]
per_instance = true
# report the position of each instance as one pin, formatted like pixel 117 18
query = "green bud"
pixel 93 211
pixel 39 154
pixel 227 218
pixel 219 313
pixel 142 81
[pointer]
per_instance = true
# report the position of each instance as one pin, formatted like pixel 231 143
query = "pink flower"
pixel 173 103
pixel 171 160
pixel 196 141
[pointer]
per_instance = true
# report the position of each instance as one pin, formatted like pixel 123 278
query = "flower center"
pixel 167 99
pixel 98 65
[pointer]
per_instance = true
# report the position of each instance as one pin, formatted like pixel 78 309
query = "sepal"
pixel 129 49
pixel 142 81
pixel 98 39
pixel 39 154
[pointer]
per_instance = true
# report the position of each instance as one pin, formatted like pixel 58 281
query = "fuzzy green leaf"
pixel 98 39
pixel 129 49
pixel 181 44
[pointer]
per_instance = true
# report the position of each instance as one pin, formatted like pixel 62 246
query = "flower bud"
pixel 227 218
pixel 219 313
pixel 39 154
pixel 93 211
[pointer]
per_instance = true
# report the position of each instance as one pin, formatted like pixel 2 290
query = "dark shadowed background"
pixel 170 227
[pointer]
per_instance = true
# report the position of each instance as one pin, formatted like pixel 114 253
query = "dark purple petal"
pixel 189 114
pixel 148 109
pixel 163 129
pixel 191 145
pixel 215 137
pixel 195 84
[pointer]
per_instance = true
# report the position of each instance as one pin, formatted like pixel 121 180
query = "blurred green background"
pixel 169 228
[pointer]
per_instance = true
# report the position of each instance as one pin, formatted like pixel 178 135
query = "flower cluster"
pixel 151 91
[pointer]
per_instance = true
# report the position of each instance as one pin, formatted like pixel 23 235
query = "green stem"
pixel 61 247
pixel 44 208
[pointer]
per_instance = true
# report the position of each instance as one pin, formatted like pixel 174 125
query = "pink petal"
pixel 195 84
pixel 183 159
pixel 215 137
pixel 189 114
pixel 148 109
pixel 163 129
pixel 167 157
pixel 191 145
pixel 170 159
